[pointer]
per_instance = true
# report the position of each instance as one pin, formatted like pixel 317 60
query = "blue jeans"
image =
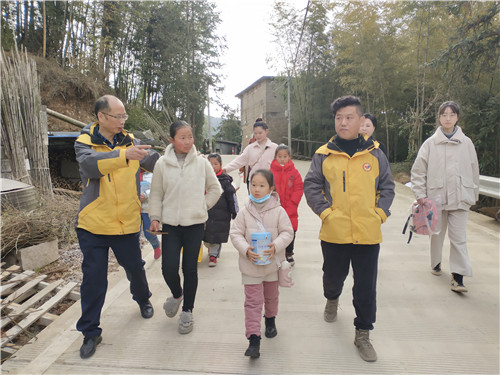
pixel 146 223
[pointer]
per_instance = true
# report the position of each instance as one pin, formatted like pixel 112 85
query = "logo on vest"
pixel 367 167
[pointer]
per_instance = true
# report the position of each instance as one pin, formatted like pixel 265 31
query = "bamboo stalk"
pixel 21 120
pixel 68 119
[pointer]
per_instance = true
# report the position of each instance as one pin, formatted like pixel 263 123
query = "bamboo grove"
pixel 152 54
pixel 403 58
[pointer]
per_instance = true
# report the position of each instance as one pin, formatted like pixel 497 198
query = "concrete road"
pixel 422 326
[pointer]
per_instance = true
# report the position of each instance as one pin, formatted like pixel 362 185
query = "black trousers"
pixel 95 249
pixel 364 260
pixel 189 238
pixel 290 247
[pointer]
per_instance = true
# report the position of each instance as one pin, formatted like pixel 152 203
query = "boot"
pixel 270 327
pixel 365 348
pixel 254 347
pixel 330 314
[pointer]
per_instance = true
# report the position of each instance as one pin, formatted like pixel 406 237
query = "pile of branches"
pixel 54 218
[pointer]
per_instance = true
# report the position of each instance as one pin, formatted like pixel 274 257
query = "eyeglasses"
pixel 451 115
pixel 118 117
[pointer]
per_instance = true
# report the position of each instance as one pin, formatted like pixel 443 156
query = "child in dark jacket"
pixel 289 187
pixel 220 215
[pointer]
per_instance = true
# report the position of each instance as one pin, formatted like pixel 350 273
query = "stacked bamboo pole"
pixel 161 130
pixel 21 115
pixel 12 139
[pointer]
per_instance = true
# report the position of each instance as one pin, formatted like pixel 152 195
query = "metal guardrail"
pixel 489 186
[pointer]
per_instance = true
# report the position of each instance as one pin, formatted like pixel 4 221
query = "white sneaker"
pixel 171 306
pixel 457 287
pixel 186 322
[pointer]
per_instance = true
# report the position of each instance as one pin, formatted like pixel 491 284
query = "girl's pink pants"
pixel 256 295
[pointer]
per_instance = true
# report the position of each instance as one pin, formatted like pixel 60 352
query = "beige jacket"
pixel 254 156
pixel 447 171
pixel 183 196
pixel 275 220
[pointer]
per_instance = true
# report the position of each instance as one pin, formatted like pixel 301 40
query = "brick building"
pixel 264 99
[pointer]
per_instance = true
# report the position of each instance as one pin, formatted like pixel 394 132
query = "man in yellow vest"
pixel 350 187
pixel 110 160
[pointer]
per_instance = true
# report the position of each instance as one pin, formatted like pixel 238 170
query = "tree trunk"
pixel 67 39
pixel 44 46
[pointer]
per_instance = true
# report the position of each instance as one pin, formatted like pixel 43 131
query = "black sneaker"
pixel 147 310
pixel 88 347
pixel 289 258
pixel 437 270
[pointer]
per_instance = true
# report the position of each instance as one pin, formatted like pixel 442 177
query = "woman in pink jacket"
pixel 257 155
pixel 262 213
pixel 446 170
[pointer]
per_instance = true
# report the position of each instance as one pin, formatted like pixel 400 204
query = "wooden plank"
pixel 33 317
pixel 15 281
pixel 14 268
pixel 26 305
pixel 21 293
pixel 46 319
pixel 8 352
pixel 74 295
pixel 4 275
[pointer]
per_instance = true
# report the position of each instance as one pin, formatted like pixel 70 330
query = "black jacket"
pixel 219 216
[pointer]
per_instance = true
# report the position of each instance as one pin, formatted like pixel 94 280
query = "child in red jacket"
pixel 289 187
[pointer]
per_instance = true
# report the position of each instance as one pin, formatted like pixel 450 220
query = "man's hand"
pixel 143 198
pixel 138 152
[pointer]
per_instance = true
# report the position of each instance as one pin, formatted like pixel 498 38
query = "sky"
pixel 245 24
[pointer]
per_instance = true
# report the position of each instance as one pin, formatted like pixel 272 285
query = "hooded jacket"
pixel 351 195
pixel 110 203
pixel 275 220
pixel 219 216
pixel 182 195
pixel 447 171
pixel 289 187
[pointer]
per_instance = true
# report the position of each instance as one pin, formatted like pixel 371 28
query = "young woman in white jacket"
pixel 184 187
pixel 446 170
pixel 262 211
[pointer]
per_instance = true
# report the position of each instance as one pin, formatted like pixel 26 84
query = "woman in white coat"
pixel 446 170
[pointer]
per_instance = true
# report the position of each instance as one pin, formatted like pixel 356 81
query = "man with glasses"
pixel 109 216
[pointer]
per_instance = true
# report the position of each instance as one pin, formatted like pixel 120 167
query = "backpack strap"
pixel 406 227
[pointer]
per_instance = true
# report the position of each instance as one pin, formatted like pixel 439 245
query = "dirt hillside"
pixel 68 92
